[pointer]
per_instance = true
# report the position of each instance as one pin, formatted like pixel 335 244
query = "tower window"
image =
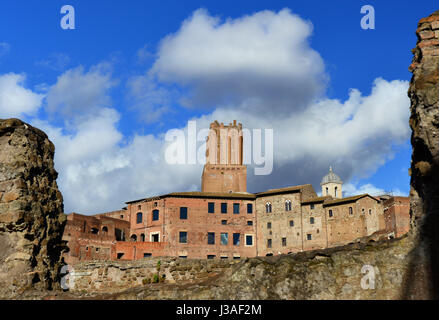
pixel 224 238
pixel 268 225
pixel 268 243
pixel 268 207
pixel 183 237
pixel 291 223
pixel 311 220
pixel 330 213
pixel 139 217
pixel 309 236
pixel 236 238
pixel 211 238
pixel 183 213
pixel 288 205
pixel 311 206
pixel 284 242
pixel 248 240
pixel 350 210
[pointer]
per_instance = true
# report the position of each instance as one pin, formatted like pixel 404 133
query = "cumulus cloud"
pixel 97 172
pixel 351 189
pixel 249 61
pixel 150 98
pixel 15 99
pixel 79 94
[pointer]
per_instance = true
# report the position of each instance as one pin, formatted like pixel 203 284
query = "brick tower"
pixel 224 171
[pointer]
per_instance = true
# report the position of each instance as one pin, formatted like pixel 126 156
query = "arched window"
pixel 139 217
pixel 288 205
pixel 327 191
pixel 104 229
pixel 350 210
pixel 133 238
pixel 268 207
pixel 335 192
pixel 142 237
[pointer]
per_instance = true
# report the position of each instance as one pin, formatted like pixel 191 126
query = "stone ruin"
pixel 31 211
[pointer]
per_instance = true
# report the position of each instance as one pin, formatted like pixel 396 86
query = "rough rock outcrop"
pixel 31 210
pixel 334 273
pixel 423 276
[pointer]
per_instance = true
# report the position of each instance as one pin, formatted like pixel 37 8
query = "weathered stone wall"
pixel 423 276
pixel 31 219
pixel 334 273
pixel 109 277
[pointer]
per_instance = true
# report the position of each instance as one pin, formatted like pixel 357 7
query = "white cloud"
pixel 79 94
pixel 351 189
pixel 15 99
pixel 252 60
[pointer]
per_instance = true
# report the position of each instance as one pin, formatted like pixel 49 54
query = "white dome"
pixel 331 177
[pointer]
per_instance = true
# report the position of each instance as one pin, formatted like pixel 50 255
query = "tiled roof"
pixel 199 194
pixel 348 199
pixel 283 190
pixel 317 200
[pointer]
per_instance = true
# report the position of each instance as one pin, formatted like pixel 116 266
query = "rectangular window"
pixel 311 220
pixel 147 254
pixel 236 238
pixel 183 213
pixel 183 257
pixel 370 211
pixel 249 207
pixel 183 237
pixel 236 208
pixel 330 213
pixel 291 223
pixel 211 207
pixel 249 223
pixel 248 240
pixel 223 207
pixel 268 225
pixel 224 238
pixel 155 215
pixel 284 242
pixel 211 238
pixel 350 210
pixel 312 206
pixel 223 222
pixel 224 257
pixel 210 256
pixel 268 243
pixel 308 236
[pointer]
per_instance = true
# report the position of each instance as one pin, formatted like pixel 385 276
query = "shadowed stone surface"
pixel 31 218
pixel 423 275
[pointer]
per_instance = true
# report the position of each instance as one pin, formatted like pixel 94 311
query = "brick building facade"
pixel 223 221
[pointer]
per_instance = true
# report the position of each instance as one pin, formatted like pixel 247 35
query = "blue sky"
pixel 108 91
